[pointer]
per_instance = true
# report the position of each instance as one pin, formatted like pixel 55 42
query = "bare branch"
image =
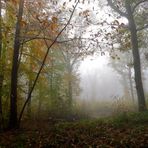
pixel 32 56
pixel 111 4
pixel 137 4
pixel 28 39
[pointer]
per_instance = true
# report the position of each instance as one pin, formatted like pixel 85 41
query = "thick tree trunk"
pixel 1 69
pixel 14 73
pixel 136 57
pixel 1 110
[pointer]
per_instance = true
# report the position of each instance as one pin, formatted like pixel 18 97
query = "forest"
pixel 45 101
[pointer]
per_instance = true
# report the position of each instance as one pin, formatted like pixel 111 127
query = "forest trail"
pixel 122 131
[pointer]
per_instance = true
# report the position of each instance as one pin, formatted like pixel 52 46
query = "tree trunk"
pixel 29 88
pixel 1 69
pixel 70 93
pixel 131 85
pixel 51 81
pixel 125 86
pixel 29 102
pixel 14 73
pixel 1 110
pixel 39 106
pixel 136 57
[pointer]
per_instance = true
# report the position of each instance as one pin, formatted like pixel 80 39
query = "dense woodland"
pixel 42 44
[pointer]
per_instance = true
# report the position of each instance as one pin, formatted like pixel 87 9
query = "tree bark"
pixel 136 58
pixel 1 110
pixel 1 69
pixel 13 121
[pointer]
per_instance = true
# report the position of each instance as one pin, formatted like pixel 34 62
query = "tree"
pixel 49 46
pixel 13 121
pixel 7 21
pixel 122 63
pixel 129 14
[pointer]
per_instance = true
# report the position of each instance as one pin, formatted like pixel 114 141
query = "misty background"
pixel 99 81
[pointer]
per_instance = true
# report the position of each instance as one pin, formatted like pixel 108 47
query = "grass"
pixel 123 130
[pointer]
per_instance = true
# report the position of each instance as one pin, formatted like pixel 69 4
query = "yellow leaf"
pixel 23 23
pixel 54 19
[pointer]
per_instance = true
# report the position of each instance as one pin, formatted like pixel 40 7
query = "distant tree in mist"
pixel 128 9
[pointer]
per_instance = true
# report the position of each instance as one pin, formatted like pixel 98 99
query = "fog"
pixel 98 80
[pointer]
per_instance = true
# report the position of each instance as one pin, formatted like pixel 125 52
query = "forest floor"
pixel 125 130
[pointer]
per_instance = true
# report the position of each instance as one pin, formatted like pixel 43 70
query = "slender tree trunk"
pixel 125 86
pixel 70 95
pixel 136 57
pixel 29 88
pixel 131 85
pixel 39 106
pixel 14 73
pixel 51 81
pixel 29 102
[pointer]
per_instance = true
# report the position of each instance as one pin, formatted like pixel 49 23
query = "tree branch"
pixel 28 39
pixel 112 5
pixel 42 65
pixel 137 4
pixel 34 57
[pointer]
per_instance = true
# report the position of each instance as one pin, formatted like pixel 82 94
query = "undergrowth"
pixel 122 130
